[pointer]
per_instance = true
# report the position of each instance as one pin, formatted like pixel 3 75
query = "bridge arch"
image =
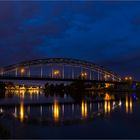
pixel 87 70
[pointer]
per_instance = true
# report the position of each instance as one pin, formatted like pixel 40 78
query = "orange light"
pixel 22 70
pixel 56 72
pixel 56 111
pixel 84 74
pixel 105 106
pixel 126 104
pixel 107 85
pixel 131 105
pixel 108 76
pixel 84 109
pixel 21 111
pixel 107 97
pixel 130 78
pixel 126 78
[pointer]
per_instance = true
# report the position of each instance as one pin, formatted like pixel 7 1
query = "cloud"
pixel 103 32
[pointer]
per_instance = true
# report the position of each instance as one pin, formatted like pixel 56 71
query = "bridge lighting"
pixel 84 74
pixel 56 73
pixel 107 76
pixel 107 85
pixel 22 71
pixel 128 78
pixel 83 65
pixel 107 97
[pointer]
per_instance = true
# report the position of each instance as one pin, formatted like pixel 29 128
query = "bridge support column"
pixel 16 72
pixel 101 75
pixel 63 72
pixel 52 72
pixel 105 77
pixel 90 75
pixel 72 72
pixel 49 71
pixel 81 71
pixel 113 78
pixel 41 71
pixel 29 73
pixel 98 75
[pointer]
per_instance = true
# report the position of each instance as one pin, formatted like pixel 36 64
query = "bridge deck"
pixel 58 79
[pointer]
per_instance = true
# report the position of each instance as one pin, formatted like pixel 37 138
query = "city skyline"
pixel 104 32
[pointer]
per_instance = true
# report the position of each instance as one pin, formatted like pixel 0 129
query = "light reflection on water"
pixel 21 111
pixel 84 109
pixel 107 107
pixel 58 111
pixel 129 104
pixel 126 104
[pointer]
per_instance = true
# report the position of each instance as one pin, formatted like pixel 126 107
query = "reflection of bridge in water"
pixel 66 113
pixel 58 69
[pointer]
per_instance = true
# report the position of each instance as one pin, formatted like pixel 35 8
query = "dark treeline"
pixel 3 86
pixel 82 87
pixel 2 89
pixel 78 91
pixel 61 88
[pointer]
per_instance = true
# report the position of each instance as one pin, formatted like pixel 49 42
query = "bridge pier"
pixel 29 73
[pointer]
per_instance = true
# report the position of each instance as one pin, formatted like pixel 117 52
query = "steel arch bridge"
pixel 60 68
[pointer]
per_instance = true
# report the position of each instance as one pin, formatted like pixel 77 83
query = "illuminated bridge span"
pixel 59 68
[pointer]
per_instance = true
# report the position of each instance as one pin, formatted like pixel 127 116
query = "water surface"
pixel 95 115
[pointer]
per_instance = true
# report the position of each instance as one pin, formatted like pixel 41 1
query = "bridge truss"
pixel 60 68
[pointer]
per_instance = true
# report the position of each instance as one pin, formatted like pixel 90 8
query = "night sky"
pixel 104 32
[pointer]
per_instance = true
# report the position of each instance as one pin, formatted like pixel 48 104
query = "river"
pixel 96 115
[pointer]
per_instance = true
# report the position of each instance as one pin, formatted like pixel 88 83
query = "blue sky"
pixel 104 32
